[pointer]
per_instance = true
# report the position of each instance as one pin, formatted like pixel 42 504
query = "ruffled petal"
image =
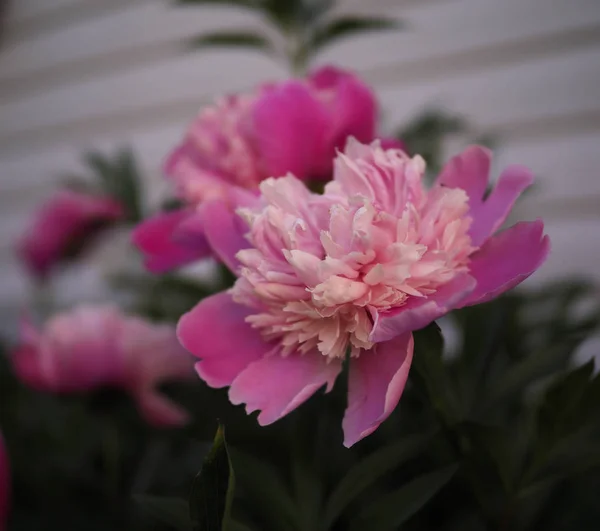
pixel 507 259
pixel 376 382
pixel 419 312
pixel 215 330
pixel 276 385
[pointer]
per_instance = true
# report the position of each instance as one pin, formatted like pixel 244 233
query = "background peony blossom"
pixel 293 126
pixel 97 346
pixel 61 226
pixel 355 270
pixel 4 485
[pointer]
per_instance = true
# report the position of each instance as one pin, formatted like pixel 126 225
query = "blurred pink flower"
pixel 290 127
pixel 355 270
pixel 61 226
pixel 4 485
pixel 97 346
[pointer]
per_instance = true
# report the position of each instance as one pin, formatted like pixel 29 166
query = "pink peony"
pixel 294 126
pixel 97 346
pixel 355 270
pixel 61 225
pixel 4 485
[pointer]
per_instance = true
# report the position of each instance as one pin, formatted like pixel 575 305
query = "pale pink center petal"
pixel 321 266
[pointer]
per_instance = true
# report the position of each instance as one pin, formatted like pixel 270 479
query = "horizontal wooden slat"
pixel 26 9
pixel 152 31
pixel 557 86
pixel 141 25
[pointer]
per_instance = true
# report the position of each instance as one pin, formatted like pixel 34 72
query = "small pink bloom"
pixel 355 270
pixel 290 127
pixel 97 346
pixel 61 226
pixel 4 485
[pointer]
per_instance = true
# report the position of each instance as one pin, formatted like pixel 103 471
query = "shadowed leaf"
pixel 212 492
pixel 393 509
pixel 347 26
pixel 370 469
pixel 172 512
pixel 234 39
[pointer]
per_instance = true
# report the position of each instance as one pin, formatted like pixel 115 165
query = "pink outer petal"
pixel 376 382
pixel 276 385
pixel 507 259
pixel 419 312
pixel 289 124
pixel 354 111
pixel 4 485
pixel 160 411
pixel 163 245
pixel 470 171
pixel 490 215
pixel 225 231
pixel 215 330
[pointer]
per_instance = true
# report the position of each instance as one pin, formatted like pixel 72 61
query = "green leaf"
pixel 286 14
pixel 430 371
pixel 537 365
pixel 233 39
pixel 212 492
pixel 172 512
pixel 313 10
pixel 238 526
pixel 130 184
pixel 368 471
pixel 561 410
pixel 568 426
pixel 119 178
pixel 395 508
pixel 265 490
pixel 346 26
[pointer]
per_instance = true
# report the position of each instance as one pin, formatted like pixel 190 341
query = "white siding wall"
pixel 81 73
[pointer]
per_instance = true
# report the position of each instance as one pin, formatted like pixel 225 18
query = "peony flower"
pixel 61 226
pixel 294 126
pixel 353 271
pixel 4 485
pixel 97 346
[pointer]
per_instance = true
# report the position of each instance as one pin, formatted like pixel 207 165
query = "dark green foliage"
pixel 348 26
pixel 502 433
pixel 232 39
pixel 119 177
pixel 213 488
pixel 304 24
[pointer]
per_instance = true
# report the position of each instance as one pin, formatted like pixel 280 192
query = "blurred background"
pixel 81 74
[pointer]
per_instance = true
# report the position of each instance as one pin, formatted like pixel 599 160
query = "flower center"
pixel 323 266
